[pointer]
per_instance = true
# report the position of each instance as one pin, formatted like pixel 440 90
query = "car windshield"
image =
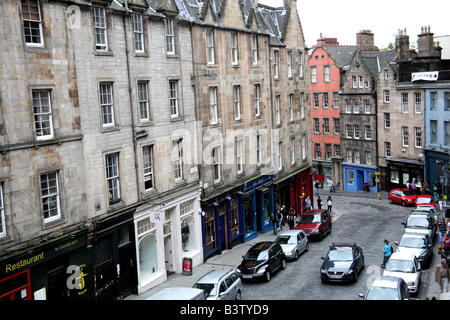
pixel 210 289
pixel 407 193
pixel 256 255
pixel 377 293
pixel 418 221
pixel 310 218
pixel 412 242
pixel 423 200
pixel 340 255
pixel 395 265
pixel 286 239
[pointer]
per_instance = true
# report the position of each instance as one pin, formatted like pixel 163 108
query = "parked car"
pixel 428 211
pixel 315 223
pixel 420 224
pixel 425 199
pixel 387 288
pixel 178 293
pixel 342 263
pixel 406 266
pixel 261 261
pixel 220 285
pixel 419 245
pixel 405 197
pixel 293 243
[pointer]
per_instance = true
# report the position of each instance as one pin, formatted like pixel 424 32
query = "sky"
pixel 342 19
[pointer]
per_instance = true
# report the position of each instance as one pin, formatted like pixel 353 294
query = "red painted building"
pixel 326 62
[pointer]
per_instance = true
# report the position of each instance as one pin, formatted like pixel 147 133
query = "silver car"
pixel 220 285
pixel 293 243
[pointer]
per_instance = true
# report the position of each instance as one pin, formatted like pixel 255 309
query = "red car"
pixel 425 200
pixel 405 197
pixel 315 223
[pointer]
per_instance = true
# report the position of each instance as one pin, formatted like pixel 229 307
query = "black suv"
pixel 342 263
pixel 261 261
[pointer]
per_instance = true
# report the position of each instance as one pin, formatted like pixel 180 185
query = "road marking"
pixel 335 217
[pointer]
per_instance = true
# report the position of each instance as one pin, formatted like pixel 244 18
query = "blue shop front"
pixel 359 177
pixel 236 215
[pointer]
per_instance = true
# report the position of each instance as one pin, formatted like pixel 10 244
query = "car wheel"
pixel 238 295
pixel 307 246
pixel 267 275
pixel 283 264
pixel 297 255
pixel 355 277
pixel 390 200
pixel 403 203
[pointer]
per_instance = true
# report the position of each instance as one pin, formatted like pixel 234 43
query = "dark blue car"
pixel 343 263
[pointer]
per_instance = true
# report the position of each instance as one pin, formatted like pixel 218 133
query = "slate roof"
pixel 375 60
pixel 342 55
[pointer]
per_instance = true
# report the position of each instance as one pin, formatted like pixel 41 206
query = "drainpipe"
pixel 133 124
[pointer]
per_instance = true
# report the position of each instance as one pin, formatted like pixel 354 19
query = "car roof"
pixel 264 245
pixel 290 232
pixel 424 196
pixel 214 276
pixel 402 256
pixel 386 282
pixel 400 189
pixel 425 207
pixel 315 211
pixel 342 245
pixel 414 235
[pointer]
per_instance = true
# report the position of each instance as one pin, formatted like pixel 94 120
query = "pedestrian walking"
pixel 274 223
pixel 319 203
pixel 331 185
pixel 317 188
pixel 446 245
pixel 284 214
pixel 329 204
pixel 308 203
pixel 291 219
pixel 441 276
pixel 387 250
pixel 280 219
pixel 442 229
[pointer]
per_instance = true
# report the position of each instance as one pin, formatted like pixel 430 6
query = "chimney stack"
pixel 402 45
pixel 425 39
pixel 365 40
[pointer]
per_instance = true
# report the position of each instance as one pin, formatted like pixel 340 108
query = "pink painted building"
pixel 326 62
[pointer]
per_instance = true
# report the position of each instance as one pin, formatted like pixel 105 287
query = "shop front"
pixel 59 269
pixel 167 232
pixel 437 171
pixel 292 189
pixel 400 171
pixel 359 177
pixel 258 205
pixel 114 260
pixel 222 222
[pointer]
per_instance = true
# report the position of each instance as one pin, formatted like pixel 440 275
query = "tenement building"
pixel 138 138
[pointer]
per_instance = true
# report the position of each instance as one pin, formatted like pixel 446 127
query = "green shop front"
pixel 57 269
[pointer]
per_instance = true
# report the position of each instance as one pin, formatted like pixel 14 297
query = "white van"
pixel 179 293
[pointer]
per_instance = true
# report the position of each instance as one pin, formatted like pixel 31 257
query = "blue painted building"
pixel 437 131
pixel 357 175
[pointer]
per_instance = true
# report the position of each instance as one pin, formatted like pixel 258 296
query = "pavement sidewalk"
pixel 229 259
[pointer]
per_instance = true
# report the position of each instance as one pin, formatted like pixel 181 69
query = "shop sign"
pixel 427 76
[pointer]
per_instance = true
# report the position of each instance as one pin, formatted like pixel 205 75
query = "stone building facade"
pixel 106 96
pixel 358 115
pixel 111 165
